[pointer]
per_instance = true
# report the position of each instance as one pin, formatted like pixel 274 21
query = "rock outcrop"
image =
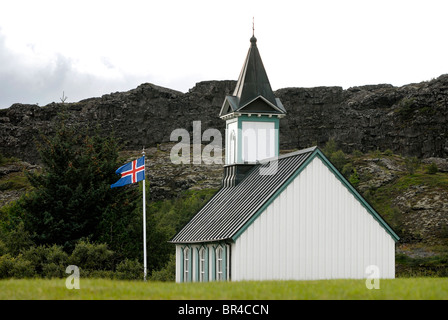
pixel 410 120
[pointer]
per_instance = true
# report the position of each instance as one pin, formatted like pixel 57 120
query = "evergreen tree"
pixel 72 194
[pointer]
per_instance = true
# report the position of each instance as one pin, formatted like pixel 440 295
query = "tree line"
pixel 72 216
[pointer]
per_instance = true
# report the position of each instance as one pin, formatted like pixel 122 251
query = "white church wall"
pixel 315 229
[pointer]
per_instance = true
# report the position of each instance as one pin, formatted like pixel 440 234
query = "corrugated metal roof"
pixel 231 207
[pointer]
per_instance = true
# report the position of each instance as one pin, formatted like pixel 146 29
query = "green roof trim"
pixel 318 153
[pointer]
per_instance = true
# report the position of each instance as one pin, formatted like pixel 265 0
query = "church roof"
pixel 253 84
pixel 233 208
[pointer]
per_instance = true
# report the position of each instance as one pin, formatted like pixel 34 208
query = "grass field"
pixel 100 289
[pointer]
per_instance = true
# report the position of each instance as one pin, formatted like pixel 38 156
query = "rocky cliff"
pixel 410 120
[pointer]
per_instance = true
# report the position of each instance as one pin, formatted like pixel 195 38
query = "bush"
pixel 338 159
pixel 6 265
pixel 347 170
pixel 432 169
pixel 412 164
pixel 49 262
pixel 17 239
pixel 89 256
pixel 356 153
pixel 53 270
pixel 129 270
pixel 15 267
pixel 354 178
pixel 3 248
pixel 168 273
pixel 22 268
pixel 434 266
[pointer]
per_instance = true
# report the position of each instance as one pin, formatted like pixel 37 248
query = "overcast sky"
pixel 90 48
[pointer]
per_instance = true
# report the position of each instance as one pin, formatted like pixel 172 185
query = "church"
pixel 278 217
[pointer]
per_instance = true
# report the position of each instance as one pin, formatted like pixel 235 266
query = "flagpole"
pixel 144 221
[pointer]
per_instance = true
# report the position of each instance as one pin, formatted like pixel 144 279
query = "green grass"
pixel 90 289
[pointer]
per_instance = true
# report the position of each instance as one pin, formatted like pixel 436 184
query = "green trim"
pixel 213 264
pixel 182 264
pixel 198 270
pixel 320 155
pixel 224 262
pixel 206 264
pixel 182 258
pixel 190 262
pixel 197 263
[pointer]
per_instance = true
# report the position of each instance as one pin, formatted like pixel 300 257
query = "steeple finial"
pixel 253 26
pixel 253 40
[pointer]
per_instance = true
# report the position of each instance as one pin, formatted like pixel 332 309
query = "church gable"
pixel 259 104
pixel 233 209
pixel 314 228
pixel 344 184
pixel 229 106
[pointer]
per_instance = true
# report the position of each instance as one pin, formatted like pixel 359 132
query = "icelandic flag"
pixel 131 172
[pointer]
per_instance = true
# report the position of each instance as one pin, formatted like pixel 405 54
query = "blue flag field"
pixel 131 172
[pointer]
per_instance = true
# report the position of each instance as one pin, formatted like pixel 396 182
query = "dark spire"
pixel 253 80
pixel 253 87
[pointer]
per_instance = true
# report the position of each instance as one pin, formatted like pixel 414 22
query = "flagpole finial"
pixel 143 152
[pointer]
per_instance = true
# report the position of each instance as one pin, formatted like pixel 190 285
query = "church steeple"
pixel 252 113
pixel 253 92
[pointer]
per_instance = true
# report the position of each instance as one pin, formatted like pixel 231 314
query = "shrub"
pixel 15 267
pixel 412 164
pixel 357 153
pixel 3 248
pixel 129 270
pixel 354 178
pixel 338 159
pixel 347 170
pixel 22 268
pixel 6 265
pixel 168 273
pixel 330 147
pixel 48 262
pixel 53 270
pixel 89 256
pixel 17 239
pixel 432 169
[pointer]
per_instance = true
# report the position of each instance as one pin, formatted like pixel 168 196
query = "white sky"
pixel 90 48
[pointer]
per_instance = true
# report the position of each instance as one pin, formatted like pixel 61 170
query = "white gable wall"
pixel 315 229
